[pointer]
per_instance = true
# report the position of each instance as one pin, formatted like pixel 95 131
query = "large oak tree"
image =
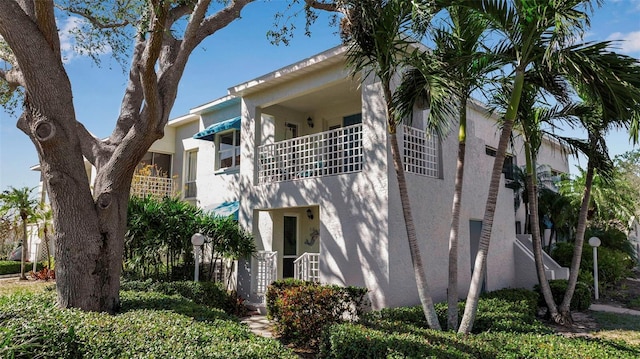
pixel 90 225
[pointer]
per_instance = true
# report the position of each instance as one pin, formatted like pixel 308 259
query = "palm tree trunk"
pixel 452 292
pixel 535 235
pixel 479 269
pixel 416 259
pixel 565 306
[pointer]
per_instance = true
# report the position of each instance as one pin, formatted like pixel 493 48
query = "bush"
pixel 613 265
pixel 207 293
pixel 580 301
pixel 151 325
pixel 13 267
pixel 302 310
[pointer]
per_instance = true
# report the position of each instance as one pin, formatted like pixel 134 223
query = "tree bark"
pixel 479 269
pixel 452 291
pixel 565 306
pixel 25 249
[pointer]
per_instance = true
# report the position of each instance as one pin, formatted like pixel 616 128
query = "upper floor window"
pixel 507 166
pixel 228 148
pixel 190 170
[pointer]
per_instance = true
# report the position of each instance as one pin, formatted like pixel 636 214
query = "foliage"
pixel 402 333
pixel 158 240
pixel 580 301
pixel 303 309
pixel 613 265
pixel 13 267
pixel 43 274
pixel 205 293
pixel 150 325
pixel 613 199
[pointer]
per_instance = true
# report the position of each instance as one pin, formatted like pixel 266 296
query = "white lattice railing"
pixel 421 152
pixel 323 154
pixel 267 270
pixel 157 187
pixel 306 267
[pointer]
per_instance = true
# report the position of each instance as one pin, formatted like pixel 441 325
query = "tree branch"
pixel 219 20
pixel 46 20
pixel 133 96
pixel 85 13
pixel 92 148
pixel 319 5
pixel 13 77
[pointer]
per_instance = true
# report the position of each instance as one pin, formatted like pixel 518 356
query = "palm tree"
pixel 463 63
pixel 377 44
pixel 20 202
pixel 531 32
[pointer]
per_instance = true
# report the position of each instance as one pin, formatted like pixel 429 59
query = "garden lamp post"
pixel 197 240
pixel 36 243
pixel 595 243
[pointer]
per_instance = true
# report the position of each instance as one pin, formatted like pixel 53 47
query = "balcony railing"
pixel 157 187
pixel 323 154
pixel 306 267
pixel 421 152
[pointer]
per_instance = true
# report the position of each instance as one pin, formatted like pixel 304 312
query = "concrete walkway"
pixel 612 309
pixel 259 325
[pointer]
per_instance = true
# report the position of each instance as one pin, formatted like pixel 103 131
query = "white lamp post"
pixel 36 243
pixel 197 240
pixel 595 243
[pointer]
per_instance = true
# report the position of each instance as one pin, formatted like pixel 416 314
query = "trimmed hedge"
pixel 206 293
pixel 302 310
pixel 13 267
pixel 150 325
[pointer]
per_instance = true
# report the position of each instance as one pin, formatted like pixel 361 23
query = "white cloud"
pixel 630 41
pixel 71 40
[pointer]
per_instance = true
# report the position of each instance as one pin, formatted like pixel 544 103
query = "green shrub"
pixel 207 293
pixel 150 325
pixel 613 265
pixel 580 301
pixel 13 267
pixel 302 310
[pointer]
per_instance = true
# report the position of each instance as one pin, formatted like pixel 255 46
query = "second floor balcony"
pixel 340 151
pixel 332 152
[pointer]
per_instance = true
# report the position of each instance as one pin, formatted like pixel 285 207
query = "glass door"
pixel 290 245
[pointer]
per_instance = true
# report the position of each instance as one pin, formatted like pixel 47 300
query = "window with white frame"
pixel 228 149
pixel 190 170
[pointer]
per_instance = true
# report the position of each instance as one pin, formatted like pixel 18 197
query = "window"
pixel 507 166
pixel 190 170
pixel 228 149
pixel 161 163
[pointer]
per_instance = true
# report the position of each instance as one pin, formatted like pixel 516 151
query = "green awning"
pixel 209 132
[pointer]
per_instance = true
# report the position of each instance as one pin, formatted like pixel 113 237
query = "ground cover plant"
pixel 149 325
pixel 506 327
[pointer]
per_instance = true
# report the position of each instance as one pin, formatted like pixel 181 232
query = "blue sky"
pixel 236 54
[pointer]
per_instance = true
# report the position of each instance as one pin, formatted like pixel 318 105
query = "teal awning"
pixel 209 132
pixel 225 209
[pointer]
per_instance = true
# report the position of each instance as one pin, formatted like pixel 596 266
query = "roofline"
pixel 317 60
pixel 216 104
pixel 184 119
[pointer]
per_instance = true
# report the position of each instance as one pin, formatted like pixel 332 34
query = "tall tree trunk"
pixel 452 291
pixel 416 259
pixel 565 306
pixel 535 234
pixel 479 269
pixel 25 248
pixel 414 248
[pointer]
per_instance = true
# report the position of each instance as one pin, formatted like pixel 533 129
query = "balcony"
pixel 328 153
pixel 157 187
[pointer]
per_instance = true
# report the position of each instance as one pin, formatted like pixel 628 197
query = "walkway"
pixel 259 325
pixel 612 309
